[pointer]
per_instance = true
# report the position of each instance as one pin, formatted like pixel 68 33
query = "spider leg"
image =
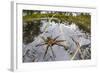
pixel 40 44
pixel 60 40
pixel 52 52
pixel 59 44
pixel 56 38
pixel 46 51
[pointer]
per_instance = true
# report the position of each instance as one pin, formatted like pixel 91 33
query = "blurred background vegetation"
pixel 32 21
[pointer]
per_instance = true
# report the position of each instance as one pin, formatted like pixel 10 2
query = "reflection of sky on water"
pixel 65 32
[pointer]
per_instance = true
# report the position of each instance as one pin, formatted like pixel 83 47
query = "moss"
pixel 83 21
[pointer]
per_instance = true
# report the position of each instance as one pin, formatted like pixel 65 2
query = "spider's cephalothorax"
pixel 50 42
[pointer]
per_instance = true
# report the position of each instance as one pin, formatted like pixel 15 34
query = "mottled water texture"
pixel 74 37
